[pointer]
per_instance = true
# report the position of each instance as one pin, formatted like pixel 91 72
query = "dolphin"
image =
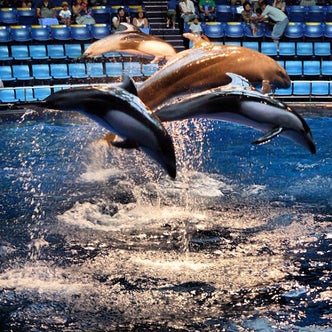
pixel 131 40
pixel 238 102
pixel 122 113
pixel 204 66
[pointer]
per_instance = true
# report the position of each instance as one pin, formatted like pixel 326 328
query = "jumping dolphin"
pixel 204 66
pixel 122 113
pixel 131 40
pixel 237 102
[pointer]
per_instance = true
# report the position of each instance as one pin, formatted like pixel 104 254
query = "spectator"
pixel 237 2
pixel 84 16
pixel 207 10
pixel 187 10
pixel 140 21
pixel 65 14
pixel 26 4
pixel 247 16
pixel 97 3
pixel 280 4
pixel 308 3
pixel 195 27
pixel 171 13
pixel 278 16
pixel 121 17
pixel 45 9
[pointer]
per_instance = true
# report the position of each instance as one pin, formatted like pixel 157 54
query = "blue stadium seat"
pixel 22 72
pixel 149 69
pixel 59 71
pixel 40 33
pixel 328 13
pixel 8 16
pixel 20 52
pixel 311 68
pixel 301 88
pixel 8 96
pixel 41 71
pixel 6 74
pixel 20 33
pixel 287 49
pixel 26 15
pixel 80 32
pixel 132 68
pixel 214 30
pixel 248 31
pixel 269 48
pixel 77 70
pixel 113 69
pixel 41 92
pixel 224 13
pixel 328 30
pixel 56 51
pixel 38 52
pixel 284 91
pixel 101 14
pixel 234 30
pixel 297 13
pixel 322 49
pixel 326 68
pixel 304 49
pixel 254 45
pixel 315 14
pixel 99 31
pixel 95 69
pixel 294 67
pixel 25 94
pixel 5 35
pixel 73 51
pixel 313 30
pixel 60 32
pixel 294 30
pixel 4 53
pixel 320 88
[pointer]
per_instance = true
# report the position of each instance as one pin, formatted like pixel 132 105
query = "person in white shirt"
pixel 187 9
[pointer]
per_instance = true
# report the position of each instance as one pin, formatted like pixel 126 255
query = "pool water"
pixel 99 239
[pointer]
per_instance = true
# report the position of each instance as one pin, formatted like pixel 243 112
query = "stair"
pixel 156 12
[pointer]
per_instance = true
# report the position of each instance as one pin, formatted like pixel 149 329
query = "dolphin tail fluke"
pixel 268 136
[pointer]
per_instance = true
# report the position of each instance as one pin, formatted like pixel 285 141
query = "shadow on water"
pixel 99 240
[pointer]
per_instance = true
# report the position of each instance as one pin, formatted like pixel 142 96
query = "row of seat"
pixel 23 33
pixel 240 30
pixel 30 74
pixel 297 89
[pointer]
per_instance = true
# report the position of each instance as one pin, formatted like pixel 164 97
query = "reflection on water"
pixel 93 239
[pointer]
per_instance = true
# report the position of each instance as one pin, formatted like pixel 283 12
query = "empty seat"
pixel 313 30
pixel 320 88
pixel 99 31
pixel 294 67
pixel 77 70
pixel 26 15
pixel 294 30
pixel 38 52
pixel 269 48
pixel 234 30
pixel 41 92
pixel 6 74
pixel 20 33
pixel 95 69
pixel 20 52
pixel 287 49
pixel 101 14
pixel 254 45
pixel 8 16
pixel 60 32
pixel 304 49
pixel 56 51
pixel 5 35
pixel 214 30
pixel 59 71
pixel 149 69
pixel 73 51
pixel 284 91
pixel 224 13
pixel 22 72
pixel 41 72
pixel 322 49
pixel 315 14
pixel 297 13
pixel 328 13
pixel 7 96
pixel 40 33
pixel 4 53
pixel 328 30
pixel 132 68
pixel 326 68
pixel 113 69
pixel 301 88
pixel 80 32
pixel 25 94
pixel 311 68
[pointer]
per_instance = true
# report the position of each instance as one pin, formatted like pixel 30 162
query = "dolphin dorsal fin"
pixel 268 136
pixel 128 85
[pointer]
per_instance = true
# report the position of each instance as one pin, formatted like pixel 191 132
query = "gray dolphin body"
pixel 122 113
pixel 240 104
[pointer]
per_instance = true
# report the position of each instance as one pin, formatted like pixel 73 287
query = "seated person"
pixel 140 21
pixel 121 17
pixel 45 9
pixel 247 16
pixel 65 14
pixel 84 16
pixel 187 10
pixel 195 27
pixel 207 9
pixel 171 13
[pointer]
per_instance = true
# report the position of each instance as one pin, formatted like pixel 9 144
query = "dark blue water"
pixel 102 240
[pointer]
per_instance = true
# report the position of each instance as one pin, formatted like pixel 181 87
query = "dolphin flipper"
pixel 268 136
